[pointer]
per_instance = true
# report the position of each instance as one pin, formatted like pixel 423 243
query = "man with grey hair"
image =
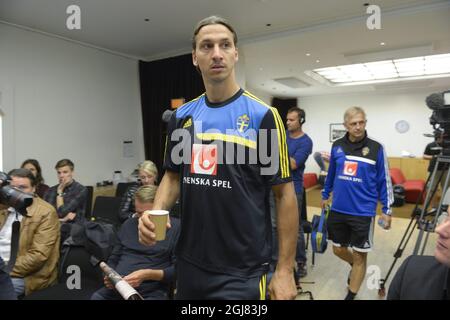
pixel 358 175
pixel 225 242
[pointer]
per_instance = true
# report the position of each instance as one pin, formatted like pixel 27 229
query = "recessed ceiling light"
pixel 292 82
pixel 147 19
pixel 388 70
pixel 317 61
pixel 382 43
pixel 366 4
pixel 308 54
pixel 268 25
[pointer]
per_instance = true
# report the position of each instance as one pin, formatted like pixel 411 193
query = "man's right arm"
pixel 166 196
pixel 329 182
pixel 168 191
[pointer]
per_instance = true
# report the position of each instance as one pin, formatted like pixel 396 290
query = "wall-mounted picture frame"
pixel 337 130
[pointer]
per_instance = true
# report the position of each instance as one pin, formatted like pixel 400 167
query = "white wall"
pixel 240 71
pixel 263 96
pixel 64 100
pixel 383 111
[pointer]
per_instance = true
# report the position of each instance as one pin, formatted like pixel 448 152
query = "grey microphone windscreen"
pixel 166 115
pixel 435 100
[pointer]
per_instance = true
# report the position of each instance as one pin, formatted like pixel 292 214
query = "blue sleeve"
pixel 114 258
pixel 330 177
pixel 384 184
pixel 169 272
pixel 302 153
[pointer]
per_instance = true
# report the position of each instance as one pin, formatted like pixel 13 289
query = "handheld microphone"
pixel 125 290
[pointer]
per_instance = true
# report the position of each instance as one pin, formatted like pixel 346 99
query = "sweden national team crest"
pixel 242 123
pixel 365 151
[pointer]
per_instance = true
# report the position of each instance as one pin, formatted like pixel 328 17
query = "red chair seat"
pixel 413 188
pixel 309 180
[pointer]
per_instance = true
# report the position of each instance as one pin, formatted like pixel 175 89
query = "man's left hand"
pixel 135 278
pixel 70 216
pixel 387 219
pixel 282 286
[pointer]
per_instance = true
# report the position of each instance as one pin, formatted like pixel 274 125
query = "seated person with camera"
pixel 425 277
pixel 35 267
pixel 150 269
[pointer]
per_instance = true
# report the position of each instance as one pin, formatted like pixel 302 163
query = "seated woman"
pixel 148 175
pixel 35 168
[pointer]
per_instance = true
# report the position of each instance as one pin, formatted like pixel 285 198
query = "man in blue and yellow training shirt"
pixel 225 151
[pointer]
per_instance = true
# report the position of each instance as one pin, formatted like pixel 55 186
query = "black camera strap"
pixel 14 245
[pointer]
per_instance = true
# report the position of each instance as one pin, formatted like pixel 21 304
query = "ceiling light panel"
pixel 388 69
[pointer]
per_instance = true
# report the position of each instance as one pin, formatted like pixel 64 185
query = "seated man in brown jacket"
pixel 38 253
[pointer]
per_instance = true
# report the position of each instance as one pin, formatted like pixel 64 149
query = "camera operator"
pixel 38 249
pixel 425 277
pixel 432 150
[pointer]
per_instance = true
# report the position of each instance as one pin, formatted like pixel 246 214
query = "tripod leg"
pixel 428 199
pixel 441 202
pixel 398 255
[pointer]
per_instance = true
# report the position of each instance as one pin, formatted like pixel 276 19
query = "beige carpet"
pixel 327 279
pixel 313 198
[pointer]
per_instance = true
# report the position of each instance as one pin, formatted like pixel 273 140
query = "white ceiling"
pixel 333 32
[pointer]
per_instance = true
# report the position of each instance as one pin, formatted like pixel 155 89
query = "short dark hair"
pixel 210 21
pixel 63 163
pixel 23 173
pixel 300 112
pixel 35 163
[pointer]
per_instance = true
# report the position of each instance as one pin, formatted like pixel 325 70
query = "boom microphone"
pixel 435 101
pixel 167 114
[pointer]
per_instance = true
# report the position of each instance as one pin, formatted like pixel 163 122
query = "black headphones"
pixel 302 115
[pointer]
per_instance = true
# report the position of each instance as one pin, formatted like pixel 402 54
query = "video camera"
pixel 440 119
pixel 14 197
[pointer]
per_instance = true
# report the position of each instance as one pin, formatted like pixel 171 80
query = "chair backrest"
pixel 122 188
pixel 397 176
pixel 107 209
pixel 78 256
pixel 90 193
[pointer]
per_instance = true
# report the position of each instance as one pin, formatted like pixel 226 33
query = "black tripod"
pixel 419 217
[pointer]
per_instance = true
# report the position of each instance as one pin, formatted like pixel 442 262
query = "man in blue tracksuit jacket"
pixel 358 175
